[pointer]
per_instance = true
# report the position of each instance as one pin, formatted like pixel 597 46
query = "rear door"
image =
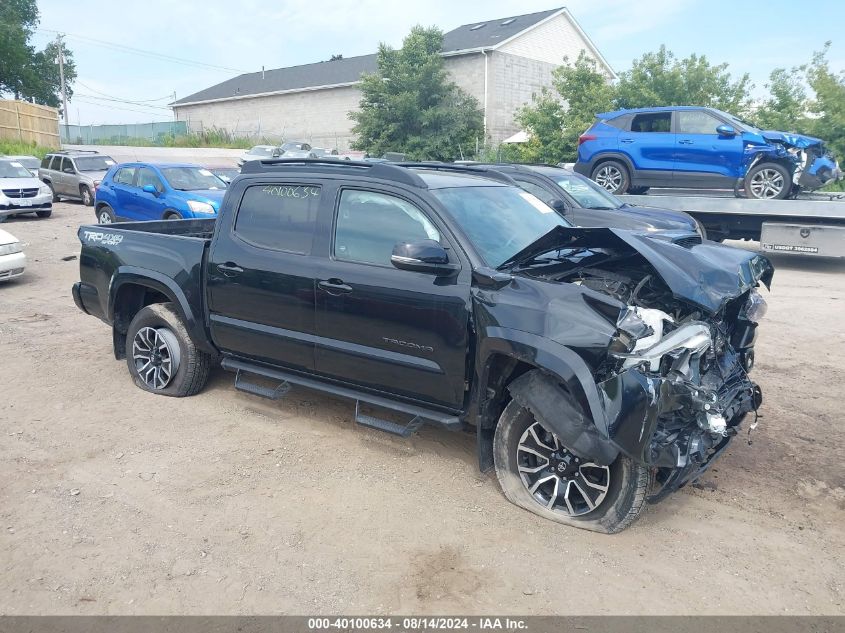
pixel 385 329
pixel 650 143
pixel 260 272
pixel 123 186
pixel 703 158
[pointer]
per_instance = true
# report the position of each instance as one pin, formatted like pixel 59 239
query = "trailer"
pixel 812 224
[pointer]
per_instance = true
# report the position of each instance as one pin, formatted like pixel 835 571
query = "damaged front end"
pixel 811 164
pixel 674 385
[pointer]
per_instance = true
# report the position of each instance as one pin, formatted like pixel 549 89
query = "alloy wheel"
pixel 86 197
pixel 558 479
pixel 609 177
pixel 104 217
pixel 155 352
pixel 767 183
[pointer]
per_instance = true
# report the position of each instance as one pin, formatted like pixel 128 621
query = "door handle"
pixel 626 140
pixel 685 141
pixel 230 269
pixel 334 286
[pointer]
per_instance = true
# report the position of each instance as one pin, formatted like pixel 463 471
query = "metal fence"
pixel 29 123
pixel 113 134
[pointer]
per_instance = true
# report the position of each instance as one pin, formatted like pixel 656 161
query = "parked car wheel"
pixel 105 215
pixel 172 215
pixel 44 213
pixel 768 181
pixel 638 191
pixel 87 197
pixel 538 473
pixel 612 175
pixel 55 197
pixel 161 356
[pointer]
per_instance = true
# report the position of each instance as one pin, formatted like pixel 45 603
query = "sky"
pixel 183 46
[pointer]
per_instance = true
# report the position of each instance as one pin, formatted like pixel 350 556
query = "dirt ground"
pixel 115 501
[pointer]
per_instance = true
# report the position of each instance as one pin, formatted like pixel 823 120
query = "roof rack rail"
pixel 382 170
pixel 75 151
pixel 481 170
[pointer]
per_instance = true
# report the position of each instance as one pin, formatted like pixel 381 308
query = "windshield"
pixel 262 150
pixel 191 179
pixel 29 163
pixel 499 221
pixel 587 193
pixel 741 123
pixel 93 163
pixel 13 169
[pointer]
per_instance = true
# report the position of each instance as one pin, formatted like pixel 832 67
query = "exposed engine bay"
pixel 683 367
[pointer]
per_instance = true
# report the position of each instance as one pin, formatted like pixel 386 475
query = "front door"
pixel 260 274
pixel 704 158
pixel 390 330
pixel 145 205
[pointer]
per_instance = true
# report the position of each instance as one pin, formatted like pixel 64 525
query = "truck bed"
pixel 202 229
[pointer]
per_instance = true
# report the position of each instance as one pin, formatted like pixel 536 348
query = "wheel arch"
pixel 131 291
pixel 617 156
pixel 505 361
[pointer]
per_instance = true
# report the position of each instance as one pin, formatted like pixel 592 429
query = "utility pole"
pixel 62 80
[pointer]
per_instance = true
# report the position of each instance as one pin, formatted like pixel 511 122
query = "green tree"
pixel 42 82
pixel 18 19
pixel 660 79
pixel 410 105
pixel 827 107
pixel 786 106
pixel 556 118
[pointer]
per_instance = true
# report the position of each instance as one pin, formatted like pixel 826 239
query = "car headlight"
pixel 43 188
pixel 10 249
pixel 641 331
pixel 200 207
pixel 755 308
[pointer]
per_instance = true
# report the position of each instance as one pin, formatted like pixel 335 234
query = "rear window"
pixel 279 217
pixel 652 122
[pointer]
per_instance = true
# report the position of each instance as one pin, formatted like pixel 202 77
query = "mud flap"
pixel 556 410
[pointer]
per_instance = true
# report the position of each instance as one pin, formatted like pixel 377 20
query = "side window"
pixel 537 190
pixel 67 166
pixel 45 162
pixel 147 176
pixel 652 122
pixel 369 225
pixel 697 122
pixel 279 217
pixel 56 163
pixel 125 175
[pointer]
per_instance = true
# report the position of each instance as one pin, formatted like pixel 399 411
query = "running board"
pixel 421 415
pixel 257 390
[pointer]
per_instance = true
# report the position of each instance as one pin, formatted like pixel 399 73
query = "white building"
pixel 500 62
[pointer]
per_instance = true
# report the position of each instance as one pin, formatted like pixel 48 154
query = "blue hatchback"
pixel 158 191
pixel 628 151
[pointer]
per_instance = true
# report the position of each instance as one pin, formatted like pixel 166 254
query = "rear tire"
pixel 86 196
pixel 612 175
pixel 768 181
pixel 161 356
pixel 626 482
pixel 46 213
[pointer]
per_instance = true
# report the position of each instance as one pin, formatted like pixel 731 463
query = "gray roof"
pixel 349 69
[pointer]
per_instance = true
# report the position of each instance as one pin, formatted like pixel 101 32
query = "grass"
pixel 15 148
pixel 212 137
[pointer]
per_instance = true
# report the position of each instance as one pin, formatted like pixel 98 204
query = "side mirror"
pixel 276 153
pixel 725 130
pixel 150 189
pixel 69 170
pixel 423 256
pixel 559 205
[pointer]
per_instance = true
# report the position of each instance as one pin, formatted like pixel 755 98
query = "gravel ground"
pixel 115 501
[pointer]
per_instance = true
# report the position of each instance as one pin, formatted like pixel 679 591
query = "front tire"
pixel 105 215
pixel 613 176
pixel 538 473
pixel 768 181
pixel 44 213
pixel 161 356
pixel 87 196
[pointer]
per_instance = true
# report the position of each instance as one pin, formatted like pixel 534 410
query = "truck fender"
pixel 558 412
pixel 170 289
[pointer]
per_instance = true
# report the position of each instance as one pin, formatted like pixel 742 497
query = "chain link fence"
pixel 120 134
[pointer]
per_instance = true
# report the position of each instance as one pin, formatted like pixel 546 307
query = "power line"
pixel 114 107
pixel 147 53
pixel 170 96
pixel 137 103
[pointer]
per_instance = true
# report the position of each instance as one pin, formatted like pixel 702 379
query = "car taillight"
pixel 586 137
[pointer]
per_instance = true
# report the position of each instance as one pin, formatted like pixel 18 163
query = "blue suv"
pixel 628 151
pixel 158 191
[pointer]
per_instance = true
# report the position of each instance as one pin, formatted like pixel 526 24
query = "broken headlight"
pixel 755 308
pixel 641 335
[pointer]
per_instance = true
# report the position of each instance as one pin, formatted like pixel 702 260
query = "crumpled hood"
pixel 707 275
pixel 796 140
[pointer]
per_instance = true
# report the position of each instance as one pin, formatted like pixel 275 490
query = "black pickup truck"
pixel 599 368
